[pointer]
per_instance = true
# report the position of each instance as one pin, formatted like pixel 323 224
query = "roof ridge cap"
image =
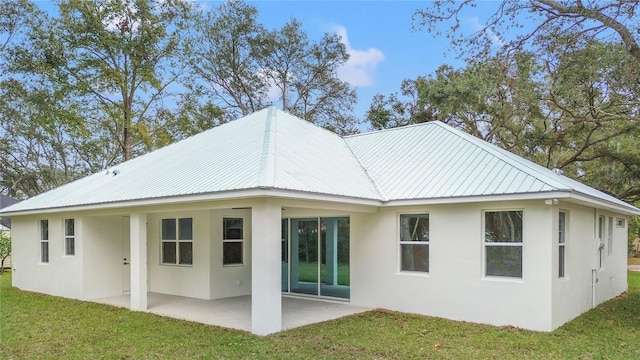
pixel 383 196
pixel 267 171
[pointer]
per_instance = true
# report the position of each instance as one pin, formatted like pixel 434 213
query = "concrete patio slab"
pixel 235 312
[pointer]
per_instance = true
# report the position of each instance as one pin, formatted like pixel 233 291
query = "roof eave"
pixel 556 194
pixel 243 194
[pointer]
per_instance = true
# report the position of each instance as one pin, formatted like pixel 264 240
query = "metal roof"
pixel 271 149
pixel 433 160
pixel 267 149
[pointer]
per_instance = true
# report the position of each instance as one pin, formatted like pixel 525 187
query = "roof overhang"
pixel 357 204
pixel 570 196
pixel 363 204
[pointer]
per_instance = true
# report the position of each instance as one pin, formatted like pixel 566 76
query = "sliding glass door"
pixel 315 256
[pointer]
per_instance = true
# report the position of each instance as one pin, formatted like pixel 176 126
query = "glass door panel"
pixel 334 254
pixel 304 256
pixel 285 255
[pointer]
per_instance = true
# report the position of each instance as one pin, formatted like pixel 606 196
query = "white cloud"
pixel 360 69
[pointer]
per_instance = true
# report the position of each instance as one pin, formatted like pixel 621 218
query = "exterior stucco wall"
pixel 63 275
pixel 181 280
pixel 455 286
pixel 103 249
pixel 574 294
pixel 232 280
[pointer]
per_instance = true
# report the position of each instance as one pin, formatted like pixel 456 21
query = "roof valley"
pixel 377 188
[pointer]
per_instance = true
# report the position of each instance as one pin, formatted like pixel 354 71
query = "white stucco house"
pixel 423 219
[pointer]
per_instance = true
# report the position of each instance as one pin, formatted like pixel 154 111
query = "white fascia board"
pixel 479 198
pixel 603 204
pixel 566 195
pixel 196 198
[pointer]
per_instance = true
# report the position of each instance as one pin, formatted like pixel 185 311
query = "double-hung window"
pixel 69 237
pixel 177 241
pixel 232 241
pixel 44 241
pixel 414 242
pixel 562 233
pixel 503 243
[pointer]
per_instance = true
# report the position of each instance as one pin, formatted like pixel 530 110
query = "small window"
pixel 69 237
pixel 177 241
pixel 232 241
pixel 414 242
pixel 562 221
pixel 610 237
pixel 503 243
pixel 601 232
pixel 44 241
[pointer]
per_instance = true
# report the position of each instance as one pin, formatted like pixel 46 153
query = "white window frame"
pixel 69 238
pixel 486 244
pixel 602 221
pixel 44 241
pixel 610 236
pixel 562 243
pixel 411 242
pixel 177 241
pixel 227 241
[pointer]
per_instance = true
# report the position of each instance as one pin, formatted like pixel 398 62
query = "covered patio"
pixel 235 312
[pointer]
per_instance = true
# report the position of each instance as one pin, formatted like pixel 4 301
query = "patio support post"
pixel 138 235
pixel 266 296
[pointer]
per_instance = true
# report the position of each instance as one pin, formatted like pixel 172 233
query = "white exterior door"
pixel 126 256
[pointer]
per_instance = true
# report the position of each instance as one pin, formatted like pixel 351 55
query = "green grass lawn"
pixel 308 271
pixel 40 326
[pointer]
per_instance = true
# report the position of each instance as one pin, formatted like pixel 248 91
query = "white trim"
pixel 399 243
pixel 242 241
pixel 501 244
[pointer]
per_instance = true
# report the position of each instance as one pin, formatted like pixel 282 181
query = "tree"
pixel 552 22
pixel 244 67
pixel 225 59
pixel 5 248
pixel 400 109
pixel 36 150
pixel 89 87
pixel 119 58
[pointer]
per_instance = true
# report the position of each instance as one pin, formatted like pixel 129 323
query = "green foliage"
pixel 5 248
pixel 56 327
pixel 91 86
pixel 633 233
